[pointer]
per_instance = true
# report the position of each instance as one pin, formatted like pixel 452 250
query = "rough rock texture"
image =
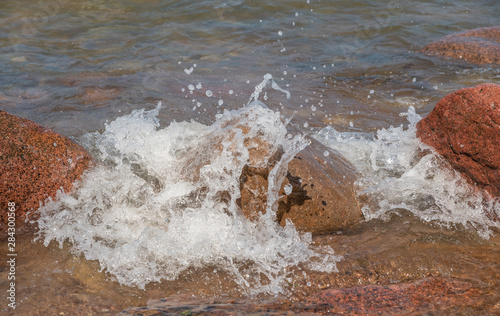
pixel 35 163
pixel 426 296
pixel 464 127
pixel 422 296
pixel 479 46
pixel 322 197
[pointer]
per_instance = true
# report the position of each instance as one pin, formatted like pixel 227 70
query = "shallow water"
pixel 354 66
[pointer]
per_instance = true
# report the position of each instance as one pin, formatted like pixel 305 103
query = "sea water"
pixel 400 172
pixel 163 200
pixel 95 70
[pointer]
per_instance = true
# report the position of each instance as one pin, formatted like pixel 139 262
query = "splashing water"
pixel 395 175
pixel 164 200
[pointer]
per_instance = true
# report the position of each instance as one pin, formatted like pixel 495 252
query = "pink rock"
pixel 464 127
pixel 35 163
pixel 478 46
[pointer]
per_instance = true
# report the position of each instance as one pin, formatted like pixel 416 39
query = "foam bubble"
pixel 163 200
pixel 395 176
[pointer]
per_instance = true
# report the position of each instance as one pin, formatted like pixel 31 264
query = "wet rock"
pixel 35 163
pixel 478 46
pixel 424 296
pixel 464 127
pixel 323 198
pixel 317 194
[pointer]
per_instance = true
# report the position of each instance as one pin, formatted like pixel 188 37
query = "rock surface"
pixel 321 196
pixel 430 295
pixel 35 163
pixel 464 127
pixel 478 46
pixel 421 296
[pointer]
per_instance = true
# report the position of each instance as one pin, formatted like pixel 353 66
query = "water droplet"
pixel 209 93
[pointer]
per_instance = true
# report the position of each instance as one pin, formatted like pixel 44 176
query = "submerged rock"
pixel 317 194
pixel 429 295
pixel 421 296
pixel 98 95
pixel 464 127
pixel 35 163
pixel 478 46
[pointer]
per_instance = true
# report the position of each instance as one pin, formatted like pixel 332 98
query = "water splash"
pixel 395 175
pixel 164 200
pixel 258 88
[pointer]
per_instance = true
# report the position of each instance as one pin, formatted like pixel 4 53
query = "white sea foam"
pixel 164 200
pixel 394 176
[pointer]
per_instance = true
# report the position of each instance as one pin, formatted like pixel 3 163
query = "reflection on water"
pixel 354 65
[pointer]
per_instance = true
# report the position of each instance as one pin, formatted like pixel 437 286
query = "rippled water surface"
pixel 352 65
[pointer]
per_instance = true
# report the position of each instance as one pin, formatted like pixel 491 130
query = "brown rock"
pixel 479 46
pixel 35 163
pixel 464 127
pixel 322 198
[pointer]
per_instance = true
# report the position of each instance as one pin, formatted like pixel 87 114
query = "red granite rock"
pixel 464 127
pixel 35 163
pixel 426 296
pixel 478 46
pixel 422 296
